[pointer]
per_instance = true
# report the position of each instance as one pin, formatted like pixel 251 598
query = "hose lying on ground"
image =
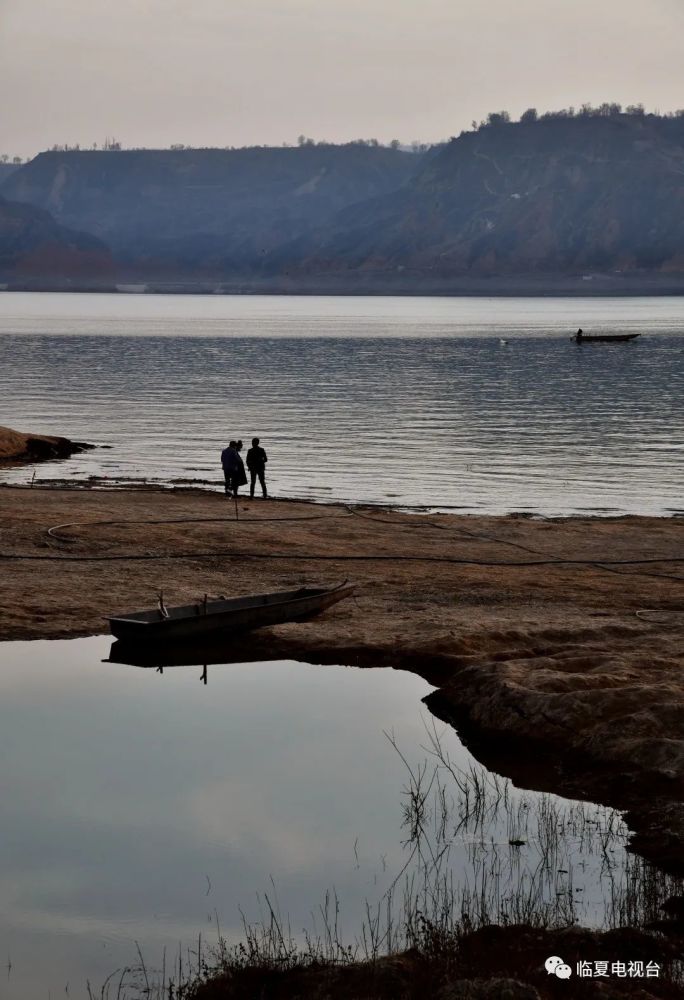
pixel 52 532
pixel 608 565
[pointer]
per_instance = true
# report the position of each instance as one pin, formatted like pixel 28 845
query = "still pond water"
pixel 139 806
pixel 407 401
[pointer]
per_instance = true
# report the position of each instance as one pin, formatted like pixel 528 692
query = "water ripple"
pixel 397 403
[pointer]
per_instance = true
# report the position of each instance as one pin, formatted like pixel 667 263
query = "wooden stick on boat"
pixel 162 607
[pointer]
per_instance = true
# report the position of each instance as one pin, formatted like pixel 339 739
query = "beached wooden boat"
pixel 604 338
pixel 236 614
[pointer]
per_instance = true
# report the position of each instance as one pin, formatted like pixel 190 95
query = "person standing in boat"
pixel 256 463
pixel 230 462
pixel 579 335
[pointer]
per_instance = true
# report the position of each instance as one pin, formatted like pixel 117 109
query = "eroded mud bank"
pixel 19 448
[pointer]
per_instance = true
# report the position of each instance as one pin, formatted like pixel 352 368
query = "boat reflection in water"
pixel 217 631
pixel 217 650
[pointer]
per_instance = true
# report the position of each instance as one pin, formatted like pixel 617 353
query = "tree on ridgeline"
pixel 495 118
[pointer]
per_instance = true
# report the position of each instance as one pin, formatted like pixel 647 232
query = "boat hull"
pixel 237 615
pixel 609 338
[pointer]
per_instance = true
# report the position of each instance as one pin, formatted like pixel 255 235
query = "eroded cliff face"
pixel 583 199
pixel 557 196
pixel 33 247
pixel 205 210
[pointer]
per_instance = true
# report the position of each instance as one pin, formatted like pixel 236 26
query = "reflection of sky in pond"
pixel 136 805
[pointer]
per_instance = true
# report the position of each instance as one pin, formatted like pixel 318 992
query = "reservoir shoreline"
pixel 555 645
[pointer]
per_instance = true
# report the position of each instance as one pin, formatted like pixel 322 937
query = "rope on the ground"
pixel 52 532
pixel 239 554
pixel 604 564
pixel 423 523
pixel 350 511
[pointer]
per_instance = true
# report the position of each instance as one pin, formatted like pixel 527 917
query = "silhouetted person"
pixel 229 458
pixel 256 463
pixel 579 334
pixel 240 476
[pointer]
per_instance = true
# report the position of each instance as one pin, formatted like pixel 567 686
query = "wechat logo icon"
pixel 555 966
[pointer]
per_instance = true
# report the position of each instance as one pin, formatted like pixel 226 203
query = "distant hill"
pixel 6 169
pixel 555 196
pixel 37 252
pixel 587 203
pixel 208 210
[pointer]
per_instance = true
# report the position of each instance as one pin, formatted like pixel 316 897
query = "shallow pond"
pixel 140 806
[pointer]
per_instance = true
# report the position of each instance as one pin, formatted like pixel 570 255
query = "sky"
pixel 246 72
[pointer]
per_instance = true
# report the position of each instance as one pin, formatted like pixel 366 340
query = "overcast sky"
pixel 240 72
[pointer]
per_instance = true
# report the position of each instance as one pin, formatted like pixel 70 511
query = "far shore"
pixel 556 647
pixel 389 282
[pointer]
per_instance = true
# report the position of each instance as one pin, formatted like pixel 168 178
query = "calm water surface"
pixel 138 806
pixel 414 402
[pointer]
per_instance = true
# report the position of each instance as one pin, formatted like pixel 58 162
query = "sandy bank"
pixel 16 447
pixel 565 636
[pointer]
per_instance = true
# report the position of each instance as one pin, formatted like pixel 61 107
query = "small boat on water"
pixel 603 338
pixel 236 614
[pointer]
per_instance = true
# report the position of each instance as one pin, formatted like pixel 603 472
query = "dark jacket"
pixel 230 460
pixel 256 459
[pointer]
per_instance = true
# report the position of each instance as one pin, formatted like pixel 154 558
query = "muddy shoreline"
pixel 556 646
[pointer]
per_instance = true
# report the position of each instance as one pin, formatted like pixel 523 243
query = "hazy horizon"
pixel 262 72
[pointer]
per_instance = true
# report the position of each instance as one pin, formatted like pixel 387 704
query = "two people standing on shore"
pixel 234 468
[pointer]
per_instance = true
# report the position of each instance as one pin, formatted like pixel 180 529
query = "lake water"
pixel 139 807
pixel 407 401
